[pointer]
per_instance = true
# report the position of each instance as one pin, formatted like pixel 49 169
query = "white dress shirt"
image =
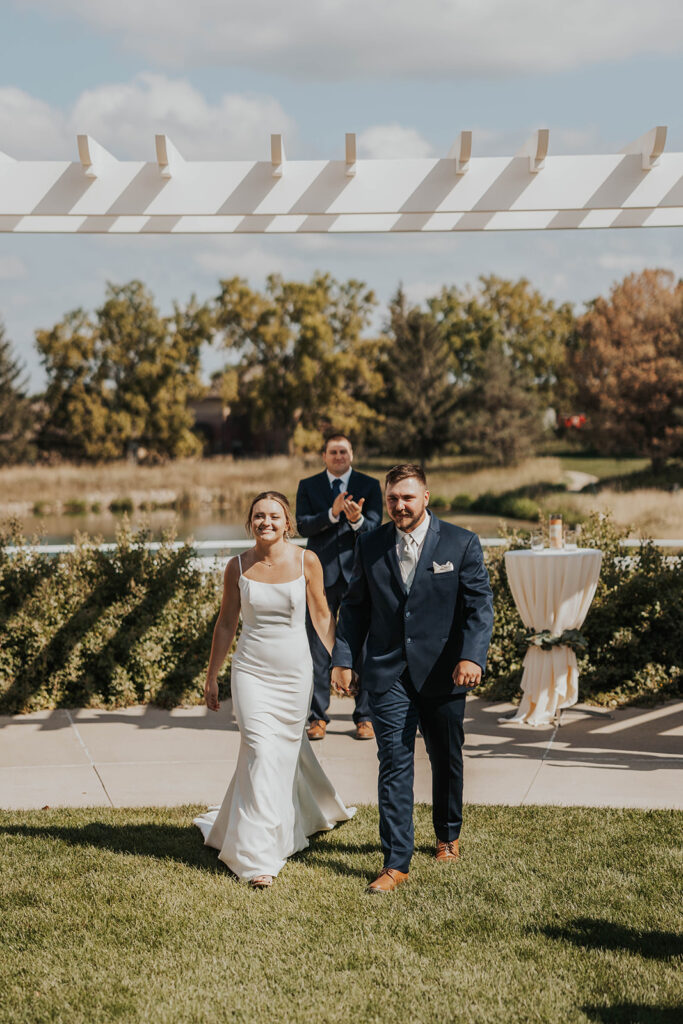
pixel 344 487
pixel 409 557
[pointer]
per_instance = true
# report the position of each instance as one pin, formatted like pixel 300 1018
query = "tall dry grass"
pixel 234 481
pixel 648 512
pixel 230 484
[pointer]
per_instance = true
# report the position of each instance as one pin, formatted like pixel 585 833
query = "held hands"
pixel 344 682
pixel 467 673
pixel 211 695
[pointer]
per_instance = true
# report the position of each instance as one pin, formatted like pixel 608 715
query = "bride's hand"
pixel 211 695
pixel 341 681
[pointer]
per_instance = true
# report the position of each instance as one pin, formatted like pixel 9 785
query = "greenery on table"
pixel 123 915
pixel 109 629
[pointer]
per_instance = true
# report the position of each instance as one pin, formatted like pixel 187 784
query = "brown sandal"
pixel 261 882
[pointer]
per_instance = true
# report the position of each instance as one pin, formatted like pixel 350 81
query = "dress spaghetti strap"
pixel 239 561
pixel 303 552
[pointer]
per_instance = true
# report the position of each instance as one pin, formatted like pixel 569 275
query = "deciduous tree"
pixel 301 363
pixel 628 365
pixel 124 375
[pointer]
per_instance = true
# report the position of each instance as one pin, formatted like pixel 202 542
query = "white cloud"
pixel 344 38
pixel 124 117
pixel 30 128
pixel 388 141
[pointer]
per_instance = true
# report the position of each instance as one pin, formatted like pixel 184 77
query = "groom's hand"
pixel 341 681
pixel 467 673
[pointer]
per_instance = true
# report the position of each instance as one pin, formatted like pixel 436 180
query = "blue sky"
pixel 220 75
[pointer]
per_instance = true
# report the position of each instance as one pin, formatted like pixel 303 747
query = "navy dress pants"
pixel 321 664
pixel 395 716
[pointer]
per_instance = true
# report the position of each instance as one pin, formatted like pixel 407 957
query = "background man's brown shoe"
pixel 364 731
pixel 316 729
pixel 447 850
pixel 387 880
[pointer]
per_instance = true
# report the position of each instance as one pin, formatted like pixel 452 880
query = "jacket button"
pixel 407 615
pixel 409 640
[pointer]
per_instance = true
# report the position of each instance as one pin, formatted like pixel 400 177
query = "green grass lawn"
pixel 552 914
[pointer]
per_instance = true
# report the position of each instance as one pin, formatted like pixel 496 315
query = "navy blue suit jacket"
pixel 446 617
pixel 334 543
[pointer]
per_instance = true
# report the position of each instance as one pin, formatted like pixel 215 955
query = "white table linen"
pixel 553 591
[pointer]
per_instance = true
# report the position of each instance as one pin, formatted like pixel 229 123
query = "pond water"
pixel 209 525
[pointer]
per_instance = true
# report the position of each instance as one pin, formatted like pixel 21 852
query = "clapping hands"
pixel 344 502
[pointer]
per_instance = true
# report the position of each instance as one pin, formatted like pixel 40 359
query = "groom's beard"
pixel 407 521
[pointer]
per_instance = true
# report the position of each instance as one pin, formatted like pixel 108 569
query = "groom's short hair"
pixel 336 436
pixel 403 471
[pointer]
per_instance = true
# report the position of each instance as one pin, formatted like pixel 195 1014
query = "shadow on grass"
pixel 634 1013
pixel 163 842
pixel 181 843
pixel 596 933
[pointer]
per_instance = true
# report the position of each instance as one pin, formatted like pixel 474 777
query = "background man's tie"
pixel 409 559
pixel 336 487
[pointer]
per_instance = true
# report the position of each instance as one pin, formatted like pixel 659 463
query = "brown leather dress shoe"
pixel 316 729
pixel 387 880
pixel 364 731
pixel 449 850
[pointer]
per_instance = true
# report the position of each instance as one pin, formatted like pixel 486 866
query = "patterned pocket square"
pixel 446 567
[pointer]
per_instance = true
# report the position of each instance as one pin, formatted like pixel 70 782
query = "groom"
pixel 420 594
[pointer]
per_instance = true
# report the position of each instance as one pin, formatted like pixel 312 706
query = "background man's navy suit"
pixel 334 544
pixel 414 641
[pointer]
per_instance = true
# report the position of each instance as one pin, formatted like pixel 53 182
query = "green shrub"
pixel 104 628
pixel 75 507
pixel 519 508
pixel 39 508
pixel 462 503
pixel 122 505
pixel 635 641
pixel 111 628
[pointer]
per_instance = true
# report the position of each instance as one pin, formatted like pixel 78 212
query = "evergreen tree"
pixel 420 396
pixel 15 412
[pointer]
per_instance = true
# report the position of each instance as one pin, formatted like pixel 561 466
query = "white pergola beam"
pixel 277 154
pixel 650 146
pixel 461 152
pixel 414 194
pixel 350 154
pixel 169 159
pixel 536 149
pixel 95 159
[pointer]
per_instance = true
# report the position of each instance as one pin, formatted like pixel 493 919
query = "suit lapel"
pixel 323 489
pixel 428 549
pixel 391 557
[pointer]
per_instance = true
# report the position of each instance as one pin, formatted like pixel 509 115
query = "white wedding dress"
pixel 279 794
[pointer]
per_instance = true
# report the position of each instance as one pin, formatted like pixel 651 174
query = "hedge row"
pixel 110 629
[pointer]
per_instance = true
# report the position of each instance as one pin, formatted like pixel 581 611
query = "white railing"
pixel 220 546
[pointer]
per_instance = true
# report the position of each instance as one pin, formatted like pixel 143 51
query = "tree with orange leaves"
pixel 628 365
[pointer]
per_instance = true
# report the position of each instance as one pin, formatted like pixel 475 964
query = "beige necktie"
pixel 408 560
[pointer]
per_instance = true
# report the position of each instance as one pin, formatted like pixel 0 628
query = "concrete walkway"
pixel 146 756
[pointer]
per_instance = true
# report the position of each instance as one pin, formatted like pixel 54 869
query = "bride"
pixel 279 794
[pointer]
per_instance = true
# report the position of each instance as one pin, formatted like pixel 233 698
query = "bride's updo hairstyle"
pixel 290 528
